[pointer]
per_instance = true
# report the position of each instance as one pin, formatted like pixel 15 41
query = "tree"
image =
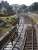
pixel 8 8
pixel 24 6
pixel 34 7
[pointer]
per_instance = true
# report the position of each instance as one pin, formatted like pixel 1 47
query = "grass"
pixel 34 16
pixel 3 30
pixel 35 20
pixel 9 23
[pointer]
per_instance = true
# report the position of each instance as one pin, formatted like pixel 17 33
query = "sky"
pixel 26 2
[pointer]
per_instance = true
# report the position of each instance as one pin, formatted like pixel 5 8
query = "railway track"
pixel 26 39
pixel 20 40
pixel 7 37
pixel 29 41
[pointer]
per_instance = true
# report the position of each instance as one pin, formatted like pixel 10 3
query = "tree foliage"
pixel 34 7
pixel 7 7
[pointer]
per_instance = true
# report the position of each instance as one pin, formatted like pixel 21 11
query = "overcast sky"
pixel 26 2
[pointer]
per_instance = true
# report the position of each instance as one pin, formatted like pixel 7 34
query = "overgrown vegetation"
pixel 10 22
